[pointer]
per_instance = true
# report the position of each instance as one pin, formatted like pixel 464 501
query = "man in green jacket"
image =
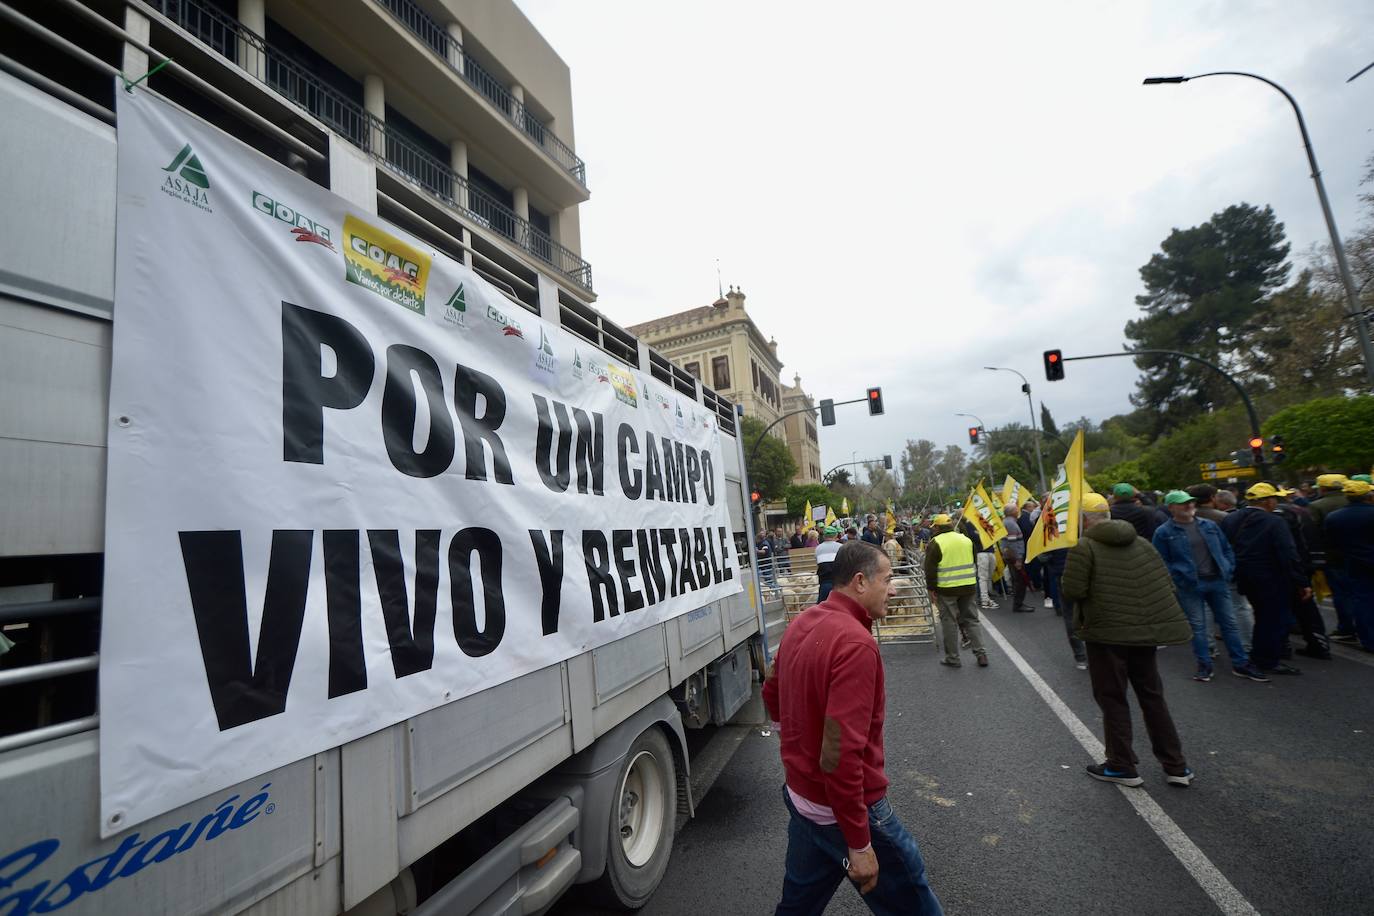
pixel 1124 607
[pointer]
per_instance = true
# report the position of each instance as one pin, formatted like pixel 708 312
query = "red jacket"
pixel 826 692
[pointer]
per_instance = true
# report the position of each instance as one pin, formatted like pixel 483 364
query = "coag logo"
pixel 303 227
pixel 187 180
pixel 132 855
pixel 624 385
pixel 509 326
pixel 378 261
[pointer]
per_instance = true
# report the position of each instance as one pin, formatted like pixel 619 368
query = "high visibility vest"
pixel 956 561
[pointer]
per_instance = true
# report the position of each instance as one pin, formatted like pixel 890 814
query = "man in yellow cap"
pixel 1269 572
pixel 951 579
pixel 1330 499
pixel 1349 534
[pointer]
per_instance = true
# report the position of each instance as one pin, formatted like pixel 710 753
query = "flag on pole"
pixel 844 506
pixel 830 517
pixel 978 510
pixel 809 523
pixel 1015 493
pixel 1057 526
pixel 891 517
pixel 1001 566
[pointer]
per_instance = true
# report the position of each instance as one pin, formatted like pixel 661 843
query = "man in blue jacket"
pixel 1269 573
pixel 1201 562
pixel 1350 547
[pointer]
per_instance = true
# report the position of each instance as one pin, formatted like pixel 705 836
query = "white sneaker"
pixel 1049 602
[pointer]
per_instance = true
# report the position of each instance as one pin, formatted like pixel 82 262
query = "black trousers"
pixel 1111 668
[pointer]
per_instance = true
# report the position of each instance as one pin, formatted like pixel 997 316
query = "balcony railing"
pixel 451 52
pixel 392 149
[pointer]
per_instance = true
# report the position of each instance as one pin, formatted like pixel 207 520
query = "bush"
pixel 1331 433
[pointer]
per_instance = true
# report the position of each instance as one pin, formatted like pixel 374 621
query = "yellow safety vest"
pixel 956 561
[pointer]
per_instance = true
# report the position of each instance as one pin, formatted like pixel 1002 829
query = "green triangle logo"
pixel 458 301
pixel 191 169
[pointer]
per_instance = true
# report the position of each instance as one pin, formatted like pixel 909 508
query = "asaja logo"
pixel 303 227
pixel 543 357
pixel 509 326
pixel 187 181
pixel 456 308
pixel 380 262
pixel 579 371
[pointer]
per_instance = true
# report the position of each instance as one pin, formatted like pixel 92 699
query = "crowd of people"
pixel 1145 573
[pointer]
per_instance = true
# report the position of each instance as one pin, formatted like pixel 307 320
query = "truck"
pixel 190 723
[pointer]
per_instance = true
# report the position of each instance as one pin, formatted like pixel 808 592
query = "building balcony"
pixel 451 54
pixel 389 147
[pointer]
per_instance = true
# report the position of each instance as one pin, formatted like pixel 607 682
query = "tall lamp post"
pixel 988 450
pixel 1351 295
pixel 1035 430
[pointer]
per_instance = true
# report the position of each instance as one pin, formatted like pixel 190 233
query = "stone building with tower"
pixel 723 347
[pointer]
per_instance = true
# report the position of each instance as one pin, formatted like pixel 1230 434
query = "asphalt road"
pixel 990 781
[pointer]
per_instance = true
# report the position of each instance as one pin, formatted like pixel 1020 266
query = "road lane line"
pixel 1213 883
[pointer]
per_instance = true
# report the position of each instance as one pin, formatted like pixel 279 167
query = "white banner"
pixel 349 481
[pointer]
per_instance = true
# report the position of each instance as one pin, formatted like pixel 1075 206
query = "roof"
pixel 658 324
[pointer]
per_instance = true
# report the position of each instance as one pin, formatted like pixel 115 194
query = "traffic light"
pixel 1243 457
pixel 973 435
pixel 875 401
pixel 1276 449
pixel 828 412
pixel 887 462
pixel 1054 365
pixel 1257 449
pixel 755 498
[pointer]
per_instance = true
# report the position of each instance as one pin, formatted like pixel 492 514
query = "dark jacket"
pixel 1171 540
pixel 1142 519
pixel 1350 540
pixel 1266 556
pixel 1323 506
pixel 967 530
pixel 1211 513
pixel 1122 593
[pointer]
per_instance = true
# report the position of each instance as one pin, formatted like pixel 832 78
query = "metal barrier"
pixel 790 578
pixel 47 671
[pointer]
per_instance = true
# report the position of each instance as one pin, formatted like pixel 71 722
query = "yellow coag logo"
pixel 378 261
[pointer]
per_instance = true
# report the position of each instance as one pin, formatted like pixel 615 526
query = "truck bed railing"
pixel 47 683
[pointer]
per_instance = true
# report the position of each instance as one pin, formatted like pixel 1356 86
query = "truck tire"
pixel 642 821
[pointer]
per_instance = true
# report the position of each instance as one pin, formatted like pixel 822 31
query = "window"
pixel 694 370
pixel 754 367
pixel 720 372
pixel 811 431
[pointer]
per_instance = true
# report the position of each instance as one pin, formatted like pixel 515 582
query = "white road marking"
pixel 1213 883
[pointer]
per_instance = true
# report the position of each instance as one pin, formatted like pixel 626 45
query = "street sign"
pixel 1226 473
pixel 1218 465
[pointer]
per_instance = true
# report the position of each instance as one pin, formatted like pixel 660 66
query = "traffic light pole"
pixel 1035 430
pixel 792 413
pixel 1245 398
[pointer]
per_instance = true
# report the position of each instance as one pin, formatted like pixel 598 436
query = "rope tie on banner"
pixel 129 86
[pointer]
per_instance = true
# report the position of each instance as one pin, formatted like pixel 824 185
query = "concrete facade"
pixel 723 347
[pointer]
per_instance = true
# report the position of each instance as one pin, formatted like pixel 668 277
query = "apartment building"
pixel 720 345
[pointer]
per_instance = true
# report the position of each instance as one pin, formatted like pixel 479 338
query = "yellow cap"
pixel 1331 481
pixel 1261 490
pixel 1356 488
pixel 1284 491
pixel 1094 502
pixel 942 519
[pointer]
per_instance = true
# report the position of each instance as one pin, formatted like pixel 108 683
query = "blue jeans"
pixel 1215 594
pixel 814 869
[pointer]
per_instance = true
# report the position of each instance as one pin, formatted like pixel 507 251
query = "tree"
pixel 772 467
pixel 1004 463
pixel 840 477
pixel 1336 433
pixel 1302 337
pixel 1172 461
pixel 1122 472
pixel 1202 289
pixel 1047 420
pixel 799 494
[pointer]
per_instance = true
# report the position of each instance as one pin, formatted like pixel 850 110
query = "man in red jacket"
pixel 825 691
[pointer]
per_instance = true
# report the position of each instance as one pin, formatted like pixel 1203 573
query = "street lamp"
pixel 987 450
pixel 1352 297
pixel 1025 386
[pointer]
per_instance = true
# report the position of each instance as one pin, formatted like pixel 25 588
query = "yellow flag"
pixel 891 517
pixel 978 510
pixel 1057 526
pixel 808 523
pixel 1001 569
pixel 844 506
pixel 1015 492
pixel 830 517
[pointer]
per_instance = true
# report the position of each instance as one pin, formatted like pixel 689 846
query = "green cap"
pixel 1365 477
pixel 832 531
pixel 1123 489
pixel 1174 497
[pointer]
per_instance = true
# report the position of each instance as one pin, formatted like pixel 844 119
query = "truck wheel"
pixel 642 821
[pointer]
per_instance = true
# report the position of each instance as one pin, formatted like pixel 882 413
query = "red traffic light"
pixel 755 496
pixel 1052 356
pixel 1256 442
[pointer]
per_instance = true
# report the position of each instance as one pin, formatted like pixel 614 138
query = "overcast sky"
pixel 907 192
